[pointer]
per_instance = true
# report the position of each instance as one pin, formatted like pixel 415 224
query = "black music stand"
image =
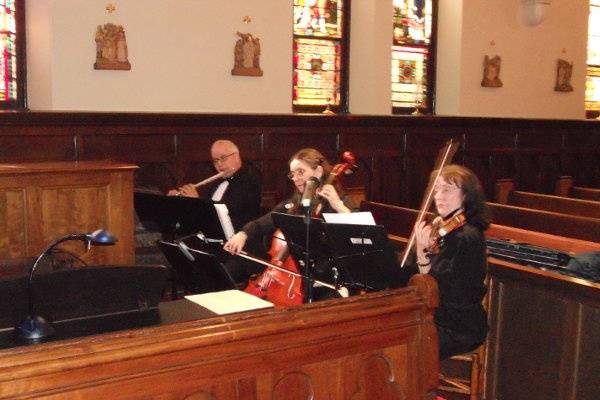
pixel 295 229
pixel 363 255
pixel 199 266
pixel 177 215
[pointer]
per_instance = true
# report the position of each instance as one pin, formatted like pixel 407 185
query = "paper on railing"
pixel 229 301
pixel 355 218
pixel 225 220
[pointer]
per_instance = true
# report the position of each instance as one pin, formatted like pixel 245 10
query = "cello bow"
pixel 444 157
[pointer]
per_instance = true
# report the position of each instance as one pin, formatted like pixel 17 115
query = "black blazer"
pixel 242 196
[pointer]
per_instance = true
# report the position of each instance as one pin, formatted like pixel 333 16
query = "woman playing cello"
pixel 452 249
pixel 303 165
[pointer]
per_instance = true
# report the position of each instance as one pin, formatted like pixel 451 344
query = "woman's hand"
pixel 423 241
pixel 236 244
pixel 329 193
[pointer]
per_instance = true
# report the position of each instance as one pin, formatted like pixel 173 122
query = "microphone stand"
pixel 308 273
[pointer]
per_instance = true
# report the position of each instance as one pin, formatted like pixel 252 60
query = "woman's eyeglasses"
pixel 297 173
pixel 222 158
pixel 444 189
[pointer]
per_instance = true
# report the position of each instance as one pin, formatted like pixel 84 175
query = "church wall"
pixel 181 53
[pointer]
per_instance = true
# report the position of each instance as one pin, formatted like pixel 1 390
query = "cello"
pixel 281 282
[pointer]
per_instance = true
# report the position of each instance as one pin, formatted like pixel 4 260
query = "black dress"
pixel 460 268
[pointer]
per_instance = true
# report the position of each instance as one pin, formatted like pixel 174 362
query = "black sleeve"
pixel 263 227
pixel 461 266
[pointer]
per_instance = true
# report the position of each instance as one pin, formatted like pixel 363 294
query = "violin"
pixel 283 286
pixel 441 227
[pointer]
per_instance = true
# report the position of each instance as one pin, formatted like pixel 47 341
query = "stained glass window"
pixel 592 84
pixel 11 81
pixel 319 70
pixel 412 72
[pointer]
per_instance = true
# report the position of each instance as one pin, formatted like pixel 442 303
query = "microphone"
pixel 310 187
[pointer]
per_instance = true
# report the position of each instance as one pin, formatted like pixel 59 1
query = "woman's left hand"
pixel 329 193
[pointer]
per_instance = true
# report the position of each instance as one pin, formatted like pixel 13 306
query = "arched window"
pixel 12 49
pixel 320 77
pixel 592 84
pixel 413 55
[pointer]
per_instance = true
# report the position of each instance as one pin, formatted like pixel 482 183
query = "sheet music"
pixel 225 220
pixel 355 218
pixel 229 301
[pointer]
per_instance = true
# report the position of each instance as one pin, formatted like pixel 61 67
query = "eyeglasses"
pixel 222 158
pixel 297 173
pixel 445 189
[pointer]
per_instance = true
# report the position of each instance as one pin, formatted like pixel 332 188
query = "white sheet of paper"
pixel 355 218
pixel 225 220
pixel 229 301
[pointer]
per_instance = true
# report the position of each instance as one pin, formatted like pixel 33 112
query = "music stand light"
pixel 35 328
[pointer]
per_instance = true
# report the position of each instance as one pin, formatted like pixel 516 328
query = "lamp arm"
pixel 37 260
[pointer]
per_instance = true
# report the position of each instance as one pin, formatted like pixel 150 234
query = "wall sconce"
pixel 534 11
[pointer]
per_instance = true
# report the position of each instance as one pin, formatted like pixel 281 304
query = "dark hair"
pixel 476 209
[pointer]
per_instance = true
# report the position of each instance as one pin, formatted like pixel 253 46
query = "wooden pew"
pixel 400 220
pixel 383 343
pixel 564 187
pixel 505 193
pixel 572 226
pixel 543 340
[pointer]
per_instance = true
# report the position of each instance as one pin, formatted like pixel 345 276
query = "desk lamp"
pixel 35 328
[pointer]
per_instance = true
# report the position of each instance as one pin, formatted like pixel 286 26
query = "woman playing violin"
pixel 303 165
pixel 452 249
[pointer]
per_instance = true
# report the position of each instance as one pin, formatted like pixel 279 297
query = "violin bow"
pixel 444 157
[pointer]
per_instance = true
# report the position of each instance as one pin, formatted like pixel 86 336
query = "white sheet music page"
pixel 229 301
pixel 225 220
pixel 355 218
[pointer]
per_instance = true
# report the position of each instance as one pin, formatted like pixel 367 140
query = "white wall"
pixel 370 57
pixel 529 55
pixel 181 53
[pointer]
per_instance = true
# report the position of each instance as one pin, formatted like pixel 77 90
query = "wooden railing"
pixel 382 343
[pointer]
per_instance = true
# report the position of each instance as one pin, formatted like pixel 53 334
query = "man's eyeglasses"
pixel 299 172
pixel 444 189
pixel 222 158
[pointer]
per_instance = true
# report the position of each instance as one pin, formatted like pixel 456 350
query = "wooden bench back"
pixel 505 194
pixel 564 187
pixel 572 226
pixel 399 221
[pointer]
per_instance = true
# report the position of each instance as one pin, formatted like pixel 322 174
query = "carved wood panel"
pixel 42 202
pixel 397 150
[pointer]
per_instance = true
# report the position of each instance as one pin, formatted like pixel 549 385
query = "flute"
pixel 208 180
